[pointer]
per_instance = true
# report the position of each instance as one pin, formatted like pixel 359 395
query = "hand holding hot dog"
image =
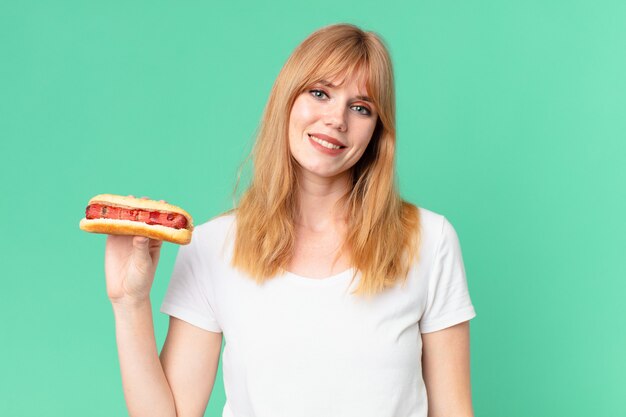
pixel 130 264
pixel 136 229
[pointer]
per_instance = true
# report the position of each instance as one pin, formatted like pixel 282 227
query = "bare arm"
pixel 190 357
pixel 446 369
pixel 180 383
pixel 146 389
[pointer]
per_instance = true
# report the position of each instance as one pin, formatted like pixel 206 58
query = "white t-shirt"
pixel 303 347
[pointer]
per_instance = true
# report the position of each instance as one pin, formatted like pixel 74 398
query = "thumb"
pixel 141 254
pixel 140 245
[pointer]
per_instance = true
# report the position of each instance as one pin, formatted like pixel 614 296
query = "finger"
pixel 141 242
pixel 155 243
pixel 141 248
pixel 155 254
pixel 155 249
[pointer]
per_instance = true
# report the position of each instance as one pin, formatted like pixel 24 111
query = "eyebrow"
pixel 327 83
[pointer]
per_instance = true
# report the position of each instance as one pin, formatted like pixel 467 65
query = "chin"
pixel 322 173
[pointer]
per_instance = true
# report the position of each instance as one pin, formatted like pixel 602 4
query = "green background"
pixel 511 121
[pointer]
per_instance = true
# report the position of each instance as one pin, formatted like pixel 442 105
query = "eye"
pixel 318 93
pixel 362 110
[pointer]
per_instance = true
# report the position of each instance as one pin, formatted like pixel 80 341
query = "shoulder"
pixel 219 223
pixel 432 223
pixel 215 232
pixel 435 231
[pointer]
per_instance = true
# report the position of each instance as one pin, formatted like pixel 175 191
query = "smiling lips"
pixel 326 143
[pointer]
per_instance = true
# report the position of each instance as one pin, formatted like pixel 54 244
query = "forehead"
pixel 357 78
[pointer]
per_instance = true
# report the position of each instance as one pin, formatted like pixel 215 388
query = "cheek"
pixel 365 133
pixel 301 113
pixel 297 123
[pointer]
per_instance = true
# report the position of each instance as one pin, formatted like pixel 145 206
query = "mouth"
pixel 326 141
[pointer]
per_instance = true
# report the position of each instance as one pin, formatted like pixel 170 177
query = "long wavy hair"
pixel 382 236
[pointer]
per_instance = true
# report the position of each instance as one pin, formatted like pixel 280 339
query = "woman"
pixel 336 298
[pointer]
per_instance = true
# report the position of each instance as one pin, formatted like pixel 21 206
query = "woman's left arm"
pixel 446 370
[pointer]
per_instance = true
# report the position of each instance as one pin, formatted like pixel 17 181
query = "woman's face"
pixel 330 125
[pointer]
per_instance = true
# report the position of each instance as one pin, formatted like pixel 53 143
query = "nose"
pixel 335 118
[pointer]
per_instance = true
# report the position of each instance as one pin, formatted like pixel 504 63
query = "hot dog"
pixel 122 215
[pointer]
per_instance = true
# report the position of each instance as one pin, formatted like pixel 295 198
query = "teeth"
pixel 324 143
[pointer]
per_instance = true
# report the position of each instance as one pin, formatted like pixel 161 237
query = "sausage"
pixel 102 211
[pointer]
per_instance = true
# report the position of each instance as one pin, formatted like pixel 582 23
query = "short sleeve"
pixel 188 296
pixel 448 300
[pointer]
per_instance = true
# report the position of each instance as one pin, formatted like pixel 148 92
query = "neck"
pixel 317 201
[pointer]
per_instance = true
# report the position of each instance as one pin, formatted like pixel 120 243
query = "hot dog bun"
pixel 120 226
